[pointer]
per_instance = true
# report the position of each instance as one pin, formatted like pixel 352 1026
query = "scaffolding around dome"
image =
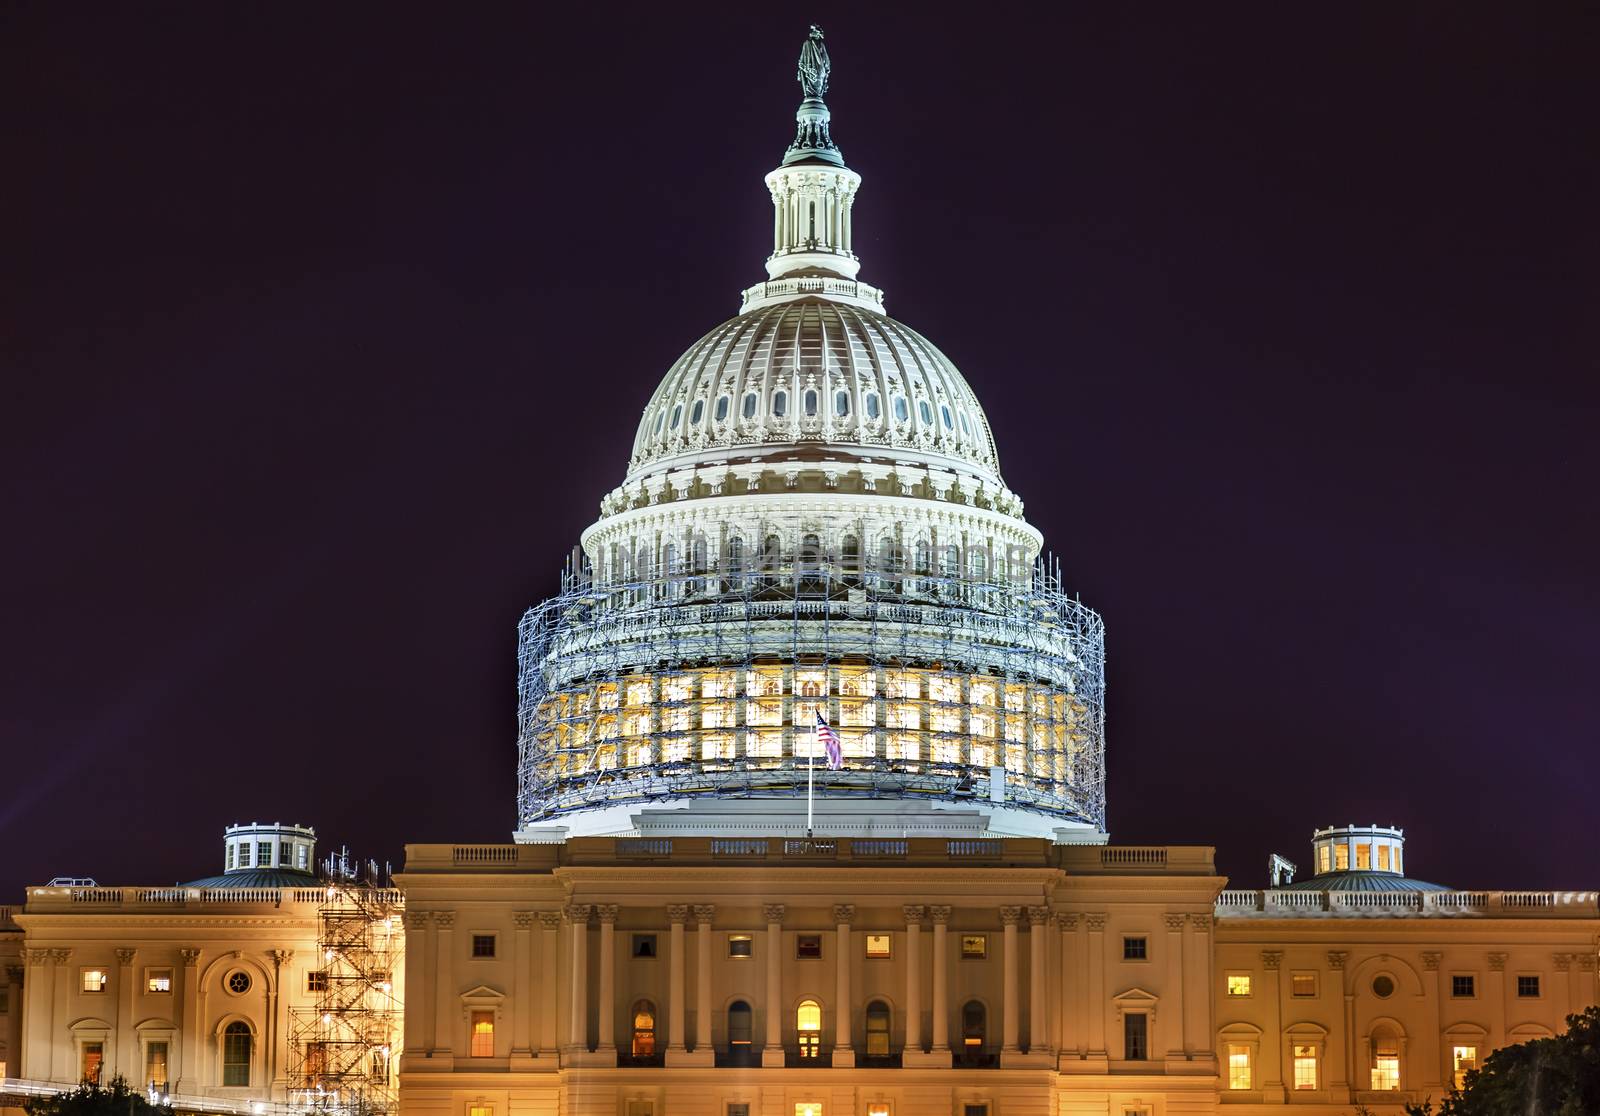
pixel 697 684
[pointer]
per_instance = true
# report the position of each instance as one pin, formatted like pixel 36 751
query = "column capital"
pixel 1585 962
pixel 523 920
pixel 703 913
pixel 550 920
pixel 1067 921
pixel 1497 962
pixel 578 913
pixel 35 956
pixel 606 913
pixel 191 957
pixel 1201 923
pixel 61 956
pixel 14 974
pixel 1010 916
pixel 844 914
pixel 1431 959
pixel 125 957
pixel 914 913
pixel 1271 959
pixel 677 913
pixel 444 920
pixel 281 957
pixel 772 912
pixel 1174 923
pixel 939 915
pixel 1563 961
pixel 416 920
pixel 1336 959
pixel 1038 916
pixel 1095 922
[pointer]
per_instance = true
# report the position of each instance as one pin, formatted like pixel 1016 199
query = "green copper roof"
pixel 1356 880
pixel 257 877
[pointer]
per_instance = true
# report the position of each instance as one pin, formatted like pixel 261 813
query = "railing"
pixel 747 848
pixel 485 854
pixel 805 848
pixel 644 846
pixel 134 898
pixel 980 848
pixel 1238 903
pixel 878 848
pixel 1134 856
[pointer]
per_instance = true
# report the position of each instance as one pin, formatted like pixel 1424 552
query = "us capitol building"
pixel 701 915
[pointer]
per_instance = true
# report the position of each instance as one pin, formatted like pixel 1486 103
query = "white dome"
pixel 841 380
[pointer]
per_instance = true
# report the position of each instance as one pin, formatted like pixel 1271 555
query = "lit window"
pixel 644 1029
pixel 1135 949
pixel 1305 1067
pixel 95 980
pixel 808 1028
pixel 1238 1066
pixel 230 856
pixel 740 945
pixel 1238 984
pixel 1383 858
pixel 878 1108
pixel 236 1048
pixel 1363 857
pixel 1135 1036
pixel 808 1108
pixel 974 946
pixel 483 945
pixel 302 854
pixel 480 1110
pixel 1464 1058
pixel 155 1066
pixel 1303 984
pixel 94 1056
pixel 1323 863
pixel 158 980
pixel 482 1034
pixel 1527 987
pixel 1463 986
pixel 1385 1063
pixel 1341 858
pixel 878 946
pixel 808 947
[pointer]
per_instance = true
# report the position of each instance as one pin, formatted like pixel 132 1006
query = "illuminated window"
pixel 982 754
pixel 1136 949
pixel 904 715
pixel 974 947
pixel 808 1026
pixel 982 722
pixel 877 1029
pixel 903 684
pixel 644 1029
pixel 808 1108
pixel 94 980
pixel 764 745
pixel 638 692
pixel 94 1056
pixel 1385 1062
pixel 477 1109
pixel 1463 986
pixel 482 1034
pixel 1527 987
pixel 1323 859
pixel 808 947
pixel 1305 1067
pixel 1463 1058
pixel 230 856
pixel 740 945
pixel 763 711
pixel 263 854
pixel 1383 858
pixel 158 980
pixel 1238 1066
pixel 944 687
pixel 945 719
pixel 1238 984
pixel 1303 985
pixel 155 1066
pixel 857 714
pixel 1341 858
pixel 878 1108
pixel 1135 1036
pixel 236 1048
pixel 676 687
pixel 1363 857
pixel 878 946
pixel 719 747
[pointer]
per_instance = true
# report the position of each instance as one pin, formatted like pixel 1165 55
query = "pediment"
pixel 483 994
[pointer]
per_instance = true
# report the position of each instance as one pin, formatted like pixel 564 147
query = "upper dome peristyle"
pixel 812 369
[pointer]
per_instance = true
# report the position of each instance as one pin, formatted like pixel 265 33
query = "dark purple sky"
pixel 325 328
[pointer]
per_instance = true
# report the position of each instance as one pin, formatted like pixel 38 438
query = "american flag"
pixel 830 743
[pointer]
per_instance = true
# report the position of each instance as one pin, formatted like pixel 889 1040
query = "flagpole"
pixel 811 767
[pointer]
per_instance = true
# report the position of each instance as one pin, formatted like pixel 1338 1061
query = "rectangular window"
pixel 878 946
pixel 283 854
pixel 158 980
pixel 974 947
pixel 1238 984
pixel 808 1108
pixel 1323 864
pixel 94 1054
pixel 1527 987
pixel 1363 857
pixel 483 1034
pixel 644 945
pixel 1463 986
pixel 1303 985
pixel 740 1109
pixel 1135 1036
pixel 1341 858
pixel 1383 858
pixel 1385 1065
pixel 641 1108
pixel 317 981
pixel 1238 1066
pixel 302 853
pixel 1463 1058
pixel 155 1066
pixel 808 947
pixel 971 1108
pixel 263 854
pixel 740 945
pixel 230 856
pixel 480 1110
pixel 878 1108
pixel 1135 949
pixel 483 945
pixel 94 980
pixel 1305 1067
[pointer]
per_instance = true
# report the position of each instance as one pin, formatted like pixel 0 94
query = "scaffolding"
pixel 341 1049
pixel 703 679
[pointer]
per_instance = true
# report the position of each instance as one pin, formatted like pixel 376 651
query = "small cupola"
pixel 1358 848
pixel 252 847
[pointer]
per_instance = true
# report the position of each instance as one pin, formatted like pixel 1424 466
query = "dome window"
pixel 810 400
pixel 900 412
pixel 780 403
pixel 922 409
pixel 965 429
pixel 677 414
pixel 872 405
pixel 698 412
pixel 722 408
pixel 661 420
pixel 749 409
pixel 841 403
pixel 944 413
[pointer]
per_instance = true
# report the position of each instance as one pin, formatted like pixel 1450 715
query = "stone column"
pixel 549 1002
pixel 1038 1025
pixel 1271 1071
pixel 1562 994
pixel 1010 1014
pixel 39 979
pixel 66 1068
pixel 606 1041
pixel 914 916
pixel 418 1016
pixel 1177 1038
pixel 677 913
pixel 522 982
pixel 1199 964
pixel 1070 991
pixel 1497 1000
pixel 125 1054
pixel 844 1053
pixel 446 1009
pixel 1433 991
pixel 702 980
pixel 1341 1068
pixel 772 1052
pixel 277 1013
pixel 941 981
pixel 14 1065
pixel 190 1025
pixel 578 986
pixel 1096 1006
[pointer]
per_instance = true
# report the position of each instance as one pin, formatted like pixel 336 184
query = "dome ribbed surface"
pixel 257 877
pixel 813 371
pixel 1357 880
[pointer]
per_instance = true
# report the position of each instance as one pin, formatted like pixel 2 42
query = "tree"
pixel 94 1099
pixel 1546 1077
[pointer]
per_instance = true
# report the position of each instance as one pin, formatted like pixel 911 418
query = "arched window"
pixel 810 565
pixel 661 420
pixel 780 403
pixel 808 1027
pixel 1385 1060
pixel 749 408
pixel 900 412
pixel 877 1029
pixel 944 413
pixel 965 429
pixel 644 1029
pixel 722 408
pixel 873 407
pixel 925 411
pixel 236 1044
pixel 739 1026
pixel 771 560
pixel 841 403
pixel 677 413
pixel 974 1029
pixel 697 412
pixel 734 562
pixel 810 402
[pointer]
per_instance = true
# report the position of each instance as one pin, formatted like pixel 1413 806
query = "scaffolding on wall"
pixel 1025 650
pixel 341 1050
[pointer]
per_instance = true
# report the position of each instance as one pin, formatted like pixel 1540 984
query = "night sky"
pixel 325 328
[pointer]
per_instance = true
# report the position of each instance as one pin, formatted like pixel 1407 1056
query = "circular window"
pixel 238 982
pixel 1382 987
